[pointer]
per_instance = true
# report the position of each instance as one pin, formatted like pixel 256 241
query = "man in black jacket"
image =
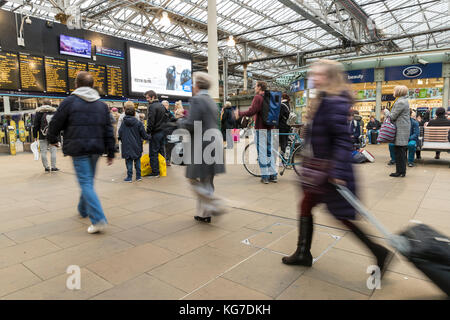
pixel 156 122
pixel 88 133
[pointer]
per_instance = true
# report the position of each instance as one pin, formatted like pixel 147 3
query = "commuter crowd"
pixel 331 132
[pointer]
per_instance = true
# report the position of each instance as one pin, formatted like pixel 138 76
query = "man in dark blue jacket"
pixel 156 123
pixel 412 144
pixel 88 133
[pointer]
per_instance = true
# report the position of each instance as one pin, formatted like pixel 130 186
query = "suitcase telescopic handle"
pixel 398 242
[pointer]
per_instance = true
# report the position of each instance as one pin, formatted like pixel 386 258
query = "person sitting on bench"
pixel 373 128
pixel 440 121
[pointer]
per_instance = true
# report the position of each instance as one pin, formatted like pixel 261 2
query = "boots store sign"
pixel 432 70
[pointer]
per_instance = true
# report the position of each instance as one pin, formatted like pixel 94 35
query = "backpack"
pixel 45 122
pixel 271 108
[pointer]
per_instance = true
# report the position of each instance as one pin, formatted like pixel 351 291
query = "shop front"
pixel 425 84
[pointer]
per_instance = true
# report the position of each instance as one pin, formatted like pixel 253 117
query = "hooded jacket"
pixel 228 120
pixel 40 113
pixel 132 133
pixel 86 123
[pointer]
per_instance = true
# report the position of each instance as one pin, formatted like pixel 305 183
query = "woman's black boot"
pixel 382 254
pixel 302 256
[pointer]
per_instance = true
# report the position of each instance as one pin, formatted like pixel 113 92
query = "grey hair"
pixel 164 102
pixel 202 80
pixel 228 104
pixel 46 102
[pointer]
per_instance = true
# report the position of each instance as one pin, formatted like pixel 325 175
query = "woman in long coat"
pixel 205 162
pixel 329 138
pixel 400 117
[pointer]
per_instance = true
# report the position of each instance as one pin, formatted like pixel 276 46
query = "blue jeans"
pixel 137 166
pixel 411 151
pixel 266 158
pixel 89 204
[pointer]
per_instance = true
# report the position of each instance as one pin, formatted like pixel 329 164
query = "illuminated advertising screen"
pixel 75 46
pixel 164 74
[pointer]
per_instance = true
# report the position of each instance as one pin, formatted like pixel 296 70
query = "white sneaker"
pixel 96 228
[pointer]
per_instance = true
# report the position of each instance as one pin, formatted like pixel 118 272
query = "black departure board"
pixel 73 67
pixel 55 75
pixel 99 74
pixel 31 72
pixel 9 71
pixel 115 87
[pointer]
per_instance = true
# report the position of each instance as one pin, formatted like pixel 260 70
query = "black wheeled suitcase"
pixel 426 248
pixel 373 137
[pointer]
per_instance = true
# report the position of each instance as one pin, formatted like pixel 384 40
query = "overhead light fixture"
pixel 231 42
pixel 165 20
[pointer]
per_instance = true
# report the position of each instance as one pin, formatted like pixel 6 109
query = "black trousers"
pixel 400 159
pixel 283 139
pixel 156 146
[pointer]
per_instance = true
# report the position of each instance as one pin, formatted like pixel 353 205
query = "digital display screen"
pixel 9 71
pixel 115 87
pixel 55 75
pixel 75 46
pixel 162 73
pixel 99 74
pixel 73 67
pixel 31 72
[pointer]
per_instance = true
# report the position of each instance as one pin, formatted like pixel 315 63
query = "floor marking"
pixel 231 268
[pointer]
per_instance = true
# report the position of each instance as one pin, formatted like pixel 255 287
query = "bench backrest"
pixel 436 134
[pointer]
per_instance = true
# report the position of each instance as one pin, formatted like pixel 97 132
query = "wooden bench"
pixel 435 139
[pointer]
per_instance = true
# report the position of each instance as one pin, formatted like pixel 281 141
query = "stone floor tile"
pixel 396 286
pixel 43 230
pixel 192 270
pixel 78 236
pixel 191 238
pixel 262 266
pixel 306 288
pixel 56 263
pixel 137 236
pixel 131 262
pixel 171 224
pixel 5 241
pixel 16 277
pixel 223 289
pixel 136 219
pixel 25 251
pixel 344 269
pixel 56 289
pixel 143 287
pixel 233 244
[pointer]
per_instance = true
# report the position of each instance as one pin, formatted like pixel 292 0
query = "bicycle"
pixel 290 160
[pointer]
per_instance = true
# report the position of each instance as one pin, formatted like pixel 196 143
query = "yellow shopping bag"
pixel 146 169
pixel 145 165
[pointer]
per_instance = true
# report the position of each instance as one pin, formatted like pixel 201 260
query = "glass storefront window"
pixel 365 99
pixel 424 94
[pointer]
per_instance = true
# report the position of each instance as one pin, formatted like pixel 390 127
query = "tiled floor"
pixel 154 249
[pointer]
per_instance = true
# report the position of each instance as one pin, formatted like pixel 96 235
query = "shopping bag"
pixel 162 166
pixel 387 131
pixel 368 155
pixel 35 149
pixel 145 165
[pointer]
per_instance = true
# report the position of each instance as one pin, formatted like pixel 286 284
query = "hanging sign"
pixel 417 71
pixel 361 76
pixel 298 85
pixel 108 52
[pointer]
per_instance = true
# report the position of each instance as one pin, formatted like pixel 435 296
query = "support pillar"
pixel 379 78
pixel 225 79
pixel 6 105
pixel 446 89
pixel 245 78
pixel 213 50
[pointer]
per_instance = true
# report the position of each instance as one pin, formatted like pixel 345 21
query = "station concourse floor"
pixel 154 249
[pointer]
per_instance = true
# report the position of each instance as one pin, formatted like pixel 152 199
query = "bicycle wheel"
pixel 296 159
pixel 250 160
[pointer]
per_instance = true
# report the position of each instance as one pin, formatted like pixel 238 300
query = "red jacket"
pixel 256 109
